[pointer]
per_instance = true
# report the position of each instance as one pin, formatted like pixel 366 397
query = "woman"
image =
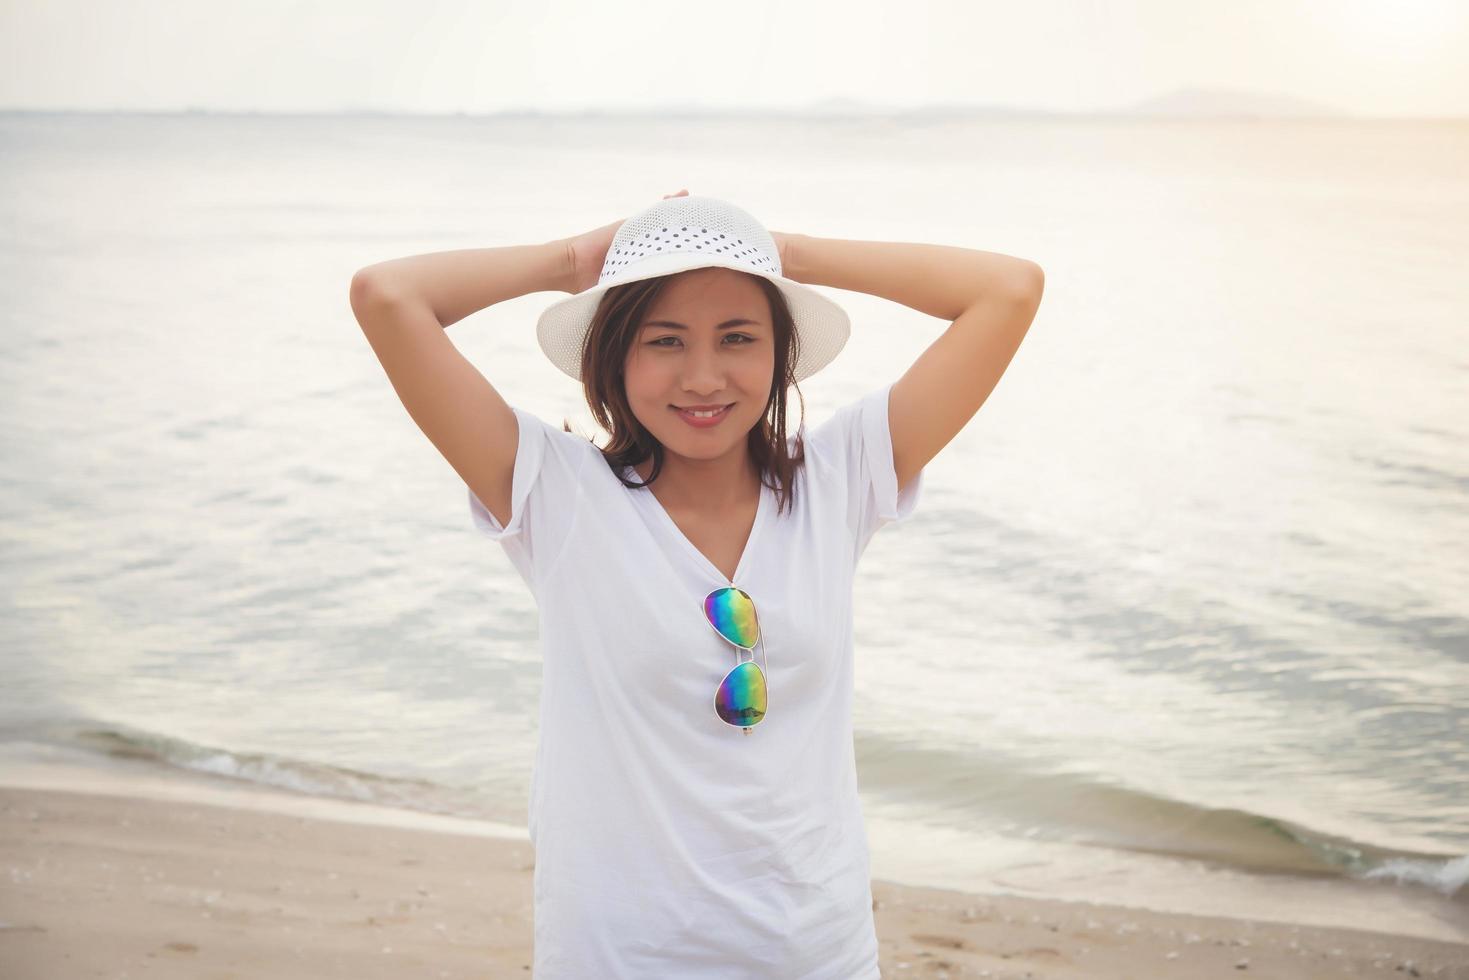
pixel 695 815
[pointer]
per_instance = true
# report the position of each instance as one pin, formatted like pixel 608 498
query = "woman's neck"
pixel 704 486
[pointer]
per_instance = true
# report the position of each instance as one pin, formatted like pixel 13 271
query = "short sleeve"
pixel 544 495
pixel 858 443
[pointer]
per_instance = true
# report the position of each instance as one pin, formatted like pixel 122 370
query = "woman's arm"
pixel 403 306
pixel 991 299
pixel 456 283
pixel 940 280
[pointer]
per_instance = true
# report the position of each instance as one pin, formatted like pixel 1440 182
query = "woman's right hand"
pixel 589 252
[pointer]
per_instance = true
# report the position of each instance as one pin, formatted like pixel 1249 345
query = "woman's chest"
pixel 640 592
pixel 720 540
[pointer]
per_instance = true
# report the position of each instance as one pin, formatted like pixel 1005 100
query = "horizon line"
pixel 922 111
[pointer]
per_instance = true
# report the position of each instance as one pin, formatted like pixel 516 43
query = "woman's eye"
pixel 744 339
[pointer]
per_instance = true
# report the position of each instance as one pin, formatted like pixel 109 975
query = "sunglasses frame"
pixel 739 650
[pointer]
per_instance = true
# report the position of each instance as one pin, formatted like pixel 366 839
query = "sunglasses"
pixel 740 699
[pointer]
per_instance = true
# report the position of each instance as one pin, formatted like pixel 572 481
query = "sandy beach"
pixel 118 875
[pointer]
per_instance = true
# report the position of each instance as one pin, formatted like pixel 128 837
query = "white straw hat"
pixel 682 233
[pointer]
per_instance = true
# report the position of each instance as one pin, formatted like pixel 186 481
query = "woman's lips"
pixel 702 423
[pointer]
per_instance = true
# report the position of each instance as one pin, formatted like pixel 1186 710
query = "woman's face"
pixel 707 340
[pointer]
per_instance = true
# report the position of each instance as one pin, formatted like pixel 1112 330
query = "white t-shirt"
pixel 669 843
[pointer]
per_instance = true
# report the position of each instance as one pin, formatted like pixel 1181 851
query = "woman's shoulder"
pixel 563 435
pixel 816 442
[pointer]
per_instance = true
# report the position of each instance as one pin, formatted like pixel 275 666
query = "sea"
pixel 1181 620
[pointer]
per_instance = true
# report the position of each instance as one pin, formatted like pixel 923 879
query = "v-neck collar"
pixel 663 517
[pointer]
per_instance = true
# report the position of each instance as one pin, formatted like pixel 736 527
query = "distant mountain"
pixel 1212 103
pixel 1196 103
pixel 848 108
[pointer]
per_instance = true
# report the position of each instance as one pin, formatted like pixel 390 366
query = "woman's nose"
pixel 702 371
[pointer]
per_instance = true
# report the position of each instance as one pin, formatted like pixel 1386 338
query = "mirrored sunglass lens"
pixel 740 699
pixel 733 613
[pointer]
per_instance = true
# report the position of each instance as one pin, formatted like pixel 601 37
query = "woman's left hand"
pixel 783 246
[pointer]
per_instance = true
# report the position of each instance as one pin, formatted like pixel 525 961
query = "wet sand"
pixel 178 884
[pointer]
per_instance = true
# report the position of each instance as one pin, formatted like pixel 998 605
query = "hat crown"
pixel 707 230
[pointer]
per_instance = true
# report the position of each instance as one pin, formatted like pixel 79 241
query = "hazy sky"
pixel 1366 57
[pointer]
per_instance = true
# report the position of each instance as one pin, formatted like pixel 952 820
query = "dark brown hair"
pixel 614 329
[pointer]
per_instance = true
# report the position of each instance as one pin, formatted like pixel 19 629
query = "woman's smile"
pixel 703 418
